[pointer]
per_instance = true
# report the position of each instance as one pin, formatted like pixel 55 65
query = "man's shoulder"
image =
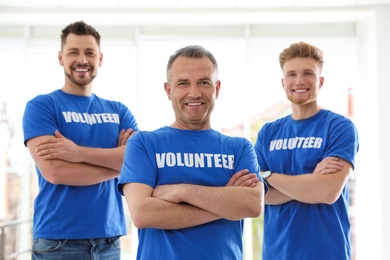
pixel 45 95
pixel 277 122
pixel 46 98
pixel 335 117
pixel 106 100
pixel 157 132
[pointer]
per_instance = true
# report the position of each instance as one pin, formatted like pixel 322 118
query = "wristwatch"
pixel 265 176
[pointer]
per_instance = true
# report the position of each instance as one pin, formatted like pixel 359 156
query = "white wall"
pixel 383 66
pixel 372 92
pixel 372 106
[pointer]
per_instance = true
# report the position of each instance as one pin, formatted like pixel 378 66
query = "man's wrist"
pixel 265 175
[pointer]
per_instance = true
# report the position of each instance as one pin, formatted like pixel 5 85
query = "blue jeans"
pixel 80 249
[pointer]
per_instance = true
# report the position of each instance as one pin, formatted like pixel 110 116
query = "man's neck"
pixel 300 112
pixel 78 90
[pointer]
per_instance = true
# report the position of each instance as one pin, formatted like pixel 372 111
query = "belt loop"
pixel 91 241
pixel 111 239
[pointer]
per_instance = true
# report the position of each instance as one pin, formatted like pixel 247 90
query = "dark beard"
pixel 79 83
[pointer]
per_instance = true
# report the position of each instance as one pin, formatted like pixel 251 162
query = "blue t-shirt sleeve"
pixel 137 165
pixel 128 119
pixel 260 149
pixel 343 141
pixel 249 160
pixel 39 118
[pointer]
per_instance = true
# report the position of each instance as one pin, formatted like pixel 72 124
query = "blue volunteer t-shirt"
pixel 296 230
pixel 204 157
pixel 77 212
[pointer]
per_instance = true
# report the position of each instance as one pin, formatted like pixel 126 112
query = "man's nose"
pixel 194 91
pixel 82 59
pixel 300 80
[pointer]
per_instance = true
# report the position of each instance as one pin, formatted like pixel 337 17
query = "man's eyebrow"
pixel 290 71
pixel 182 79
pixel 78 49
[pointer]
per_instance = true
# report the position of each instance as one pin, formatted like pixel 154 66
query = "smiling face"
pixel 80 56
pixel 302 81
pixel 192 88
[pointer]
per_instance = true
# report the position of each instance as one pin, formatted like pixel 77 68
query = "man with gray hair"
pixel 187 186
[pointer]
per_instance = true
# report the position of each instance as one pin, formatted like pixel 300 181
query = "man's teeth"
pixel 82 70
pixel 300 90
pixel 194 104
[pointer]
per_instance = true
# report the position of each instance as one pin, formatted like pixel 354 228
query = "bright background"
pixel 246 37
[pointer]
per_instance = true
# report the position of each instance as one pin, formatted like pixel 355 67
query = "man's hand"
pixel 167 192
pixel 329 165
pixel 61 148
pixel 243 178
pixel 170 192
pixel 124 135
pixel 58 147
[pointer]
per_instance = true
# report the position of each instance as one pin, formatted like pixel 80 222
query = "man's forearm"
pixel 110 157
pixel 75 174
pixel 152 212
pixel 178 216
pixel 61 148
pixel 310 188
pixel 229 202
pixel 275 197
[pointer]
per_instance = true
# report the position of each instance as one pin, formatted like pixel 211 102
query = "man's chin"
pixel 80 82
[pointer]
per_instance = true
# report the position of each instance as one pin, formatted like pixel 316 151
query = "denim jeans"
pixel 77 249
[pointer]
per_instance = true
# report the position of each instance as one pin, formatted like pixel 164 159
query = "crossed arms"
pixel 324 185
pixel 61 161
pixel 179 206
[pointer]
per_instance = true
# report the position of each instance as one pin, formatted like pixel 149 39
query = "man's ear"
pixel 167 88
pixel 282 81
pixel 217 88
pixel 100 59
pixel 60 58
pixel 321 81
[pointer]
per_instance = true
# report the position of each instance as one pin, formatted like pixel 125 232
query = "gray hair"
pixel 192 51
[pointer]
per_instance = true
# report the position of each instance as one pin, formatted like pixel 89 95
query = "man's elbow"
pixel 325 198
pixel 331 198
pixel 139 221
pixel 52 176
pixel 53 180
pixel 258 204
pixel 138 212
pixel 256 211
pixel 252 211
pixel 255 208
